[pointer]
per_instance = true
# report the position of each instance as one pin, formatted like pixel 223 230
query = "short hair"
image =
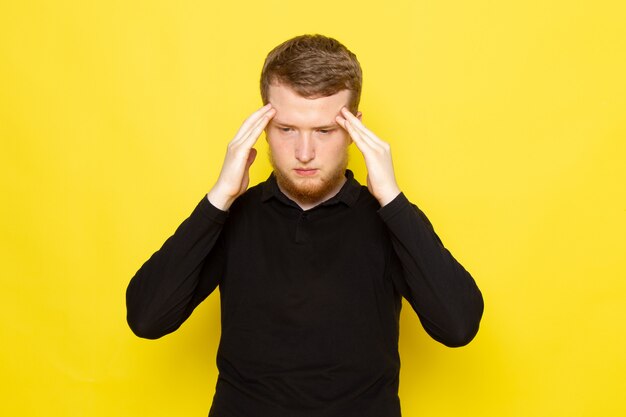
pixel 313 66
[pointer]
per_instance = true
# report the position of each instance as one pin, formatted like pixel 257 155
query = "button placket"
pixel 302 232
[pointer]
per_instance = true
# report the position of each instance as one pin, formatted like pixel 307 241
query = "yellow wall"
pixel 508 125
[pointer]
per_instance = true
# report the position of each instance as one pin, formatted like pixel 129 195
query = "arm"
pixel 442 293
pixel 166 289
pixel 176 278
pixel 440 290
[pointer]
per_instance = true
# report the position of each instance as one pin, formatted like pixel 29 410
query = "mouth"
pixel 305 172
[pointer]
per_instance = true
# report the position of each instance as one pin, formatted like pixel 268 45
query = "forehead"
pixel 296 110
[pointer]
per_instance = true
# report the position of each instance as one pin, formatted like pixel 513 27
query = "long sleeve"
pixel 442 293
pixel 176 278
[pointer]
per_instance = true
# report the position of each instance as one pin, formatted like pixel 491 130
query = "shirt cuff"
pixel 211 212
pixel 394 207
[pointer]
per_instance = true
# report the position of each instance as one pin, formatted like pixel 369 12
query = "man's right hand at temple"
pixel 234 177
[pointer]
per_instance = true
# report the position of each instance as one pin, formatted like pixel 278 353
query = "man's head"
pixel 313 66
pixel 308 80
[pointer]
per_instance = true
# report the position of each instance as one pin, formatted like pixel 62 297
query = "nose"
pixel 305 148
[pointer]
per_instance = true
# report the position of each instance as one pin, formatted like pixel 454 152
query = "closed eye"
pixel 326 131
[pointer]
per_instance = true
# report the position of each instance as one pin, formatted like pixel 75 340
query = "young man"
pixel 311 266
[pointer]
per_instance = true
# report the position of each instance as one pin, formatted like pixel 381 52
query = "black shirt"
pixel 310 300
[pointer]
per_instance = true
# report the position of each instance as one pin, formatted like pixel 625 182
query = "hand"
pixel 234 177
pixel 381 180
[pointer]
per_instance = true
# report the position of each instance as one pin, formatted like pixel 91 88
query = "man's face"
pixel 308 149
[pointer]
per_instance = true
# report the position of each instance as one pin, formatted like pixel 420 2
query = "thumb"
pixel 251 158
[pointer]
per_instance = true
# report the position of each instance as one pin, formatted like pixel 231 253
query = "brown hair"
pixel 313 66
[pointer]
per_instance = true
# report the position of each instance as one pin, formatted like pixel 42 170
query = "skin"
pixel 308 140
pixel 308 148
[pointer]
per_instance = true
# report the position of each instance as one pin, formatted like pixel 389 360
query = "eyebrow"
pixel 323 127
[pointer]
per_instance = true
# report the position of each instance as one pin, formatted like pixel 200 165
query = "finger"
pixel 359 126
pixel 363 141
pixel 257 129
pixel 251 121
pixel 347 114
pixel 249 124
pixel 254 117
pixel 251 158
pixel 355 121
pixel 248 136
pixel 354 134
pixel 366 134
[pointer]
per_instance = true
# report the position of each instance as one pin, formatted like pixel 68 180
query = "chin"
pixel 307 190
pixel 310 189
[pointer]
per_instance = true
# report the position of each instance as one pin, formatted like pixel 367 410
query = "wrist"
pixel 388 196
pixel 219 199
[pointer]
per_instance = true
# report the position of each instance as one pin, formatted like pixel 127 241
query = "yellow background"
pixel 507 123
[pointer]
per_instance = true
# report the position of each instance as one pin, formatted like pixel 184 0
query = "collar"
pixel 348 194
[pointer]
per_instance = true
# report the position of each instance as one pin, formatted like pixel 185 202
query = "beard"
pixel 309 190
